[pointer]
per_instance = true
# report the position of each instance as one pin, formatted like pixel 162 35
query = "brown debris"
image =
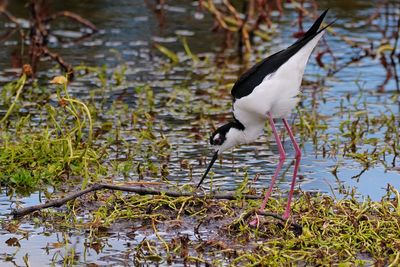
pixel 39 33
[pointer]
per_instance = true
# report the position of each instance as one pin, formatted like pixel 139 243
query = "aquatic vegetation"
pixel 72 138
pixel 67 138
pixel 356 135
pixel 74 144
pixel 334 231
pixel 129 124
pixel 51 149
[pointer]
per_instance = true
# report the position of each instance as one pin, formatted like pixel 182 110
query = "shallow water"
pixel 128 38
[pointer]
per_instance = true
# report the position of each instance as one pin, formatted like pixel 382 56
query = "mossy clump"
pixel 344 232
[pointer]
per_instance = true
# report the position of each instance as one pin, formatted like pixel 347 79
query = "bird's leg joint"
pixel 298 154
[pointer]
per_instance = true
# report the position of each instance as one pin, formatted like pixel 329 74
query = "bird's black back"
pixel 254 76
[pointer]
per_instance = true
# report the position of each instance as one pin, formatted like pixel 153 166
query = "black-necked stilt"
pixel 270 90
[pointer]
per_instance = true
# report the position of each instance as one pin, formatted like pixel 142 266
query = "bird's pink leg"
pixel 296 167
pixel 282 158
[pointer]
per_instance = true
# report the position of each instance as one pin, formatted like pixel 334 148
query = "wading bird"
pixel 270 90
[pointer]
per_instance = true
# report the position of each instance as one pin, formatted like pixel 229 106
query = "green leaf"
pixel 170 54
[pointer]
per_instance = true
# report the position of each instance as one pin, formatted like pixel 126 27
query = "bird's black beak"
pixel 208 168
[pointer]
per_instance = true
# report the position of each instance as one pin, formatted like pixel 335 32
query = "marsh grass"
pixel 50 149
pixel 67 138
pixel 342 232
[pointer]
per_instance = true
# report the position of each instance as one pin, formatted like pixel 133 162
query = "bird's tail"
pixel 314 30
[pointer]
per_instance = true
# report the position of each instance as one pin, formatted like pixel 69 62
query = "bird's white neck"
pixel 236 136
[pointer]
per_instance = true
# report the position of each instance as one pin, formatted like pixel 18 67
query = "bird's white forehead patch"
pixel 216 136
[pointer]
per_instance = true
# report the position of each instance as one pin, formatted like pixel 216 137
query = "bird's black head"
pixel 219 136
pixel 219 139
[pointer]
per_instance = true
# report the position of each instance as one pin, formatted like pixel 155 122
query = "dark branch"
pixel 138 190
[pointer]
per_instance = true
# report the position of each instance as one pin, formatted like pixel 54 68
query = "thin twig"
pixel 72 16
pixel 10 17
pixel 67 67
pixel 138 190
pixel 7 34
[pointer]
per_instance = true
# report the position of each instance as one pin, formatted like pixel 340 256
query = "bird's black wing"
pixel 254 76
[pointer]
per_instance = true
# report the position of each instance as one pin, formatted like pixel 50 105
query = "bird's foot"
pixel 286 215
pixel 255 222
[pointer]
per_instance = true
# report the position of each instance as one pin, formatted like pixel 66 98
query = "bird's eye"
pixel 217 142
